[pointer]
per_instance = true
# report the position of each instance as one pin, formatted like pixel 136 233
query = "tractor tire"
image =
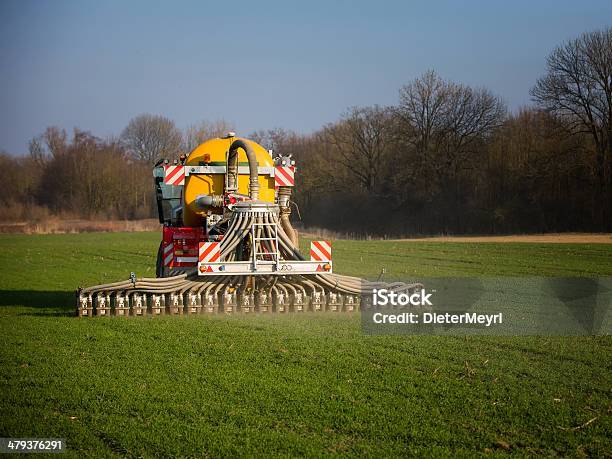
pixel 159 266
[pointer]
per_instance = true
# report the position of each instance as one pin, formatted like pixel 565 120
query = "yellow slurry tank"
pixel 214 153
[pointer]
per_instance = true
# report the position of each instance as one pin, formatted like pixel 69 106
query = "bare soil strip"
pixel 565 238
pixel 57 226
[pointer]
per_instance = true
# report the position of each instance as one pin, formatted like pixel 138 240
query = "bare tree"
pixel 203 131
pixel 421 108
pixel 443 120
pixel 37 151
pixel 470 116
pixel 273 139
pixel 151 137
pixel 50 144
pixel 578 88
pixel 360 141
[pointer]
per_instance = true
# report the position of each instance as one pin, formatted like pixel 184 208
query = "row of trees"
pixel 79 177
pixel 83 176
pixel 448 158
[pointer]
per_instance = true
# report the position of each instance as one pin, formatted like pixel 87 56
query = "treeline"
pixel 82 176
pixel 525 175
pixel 448 158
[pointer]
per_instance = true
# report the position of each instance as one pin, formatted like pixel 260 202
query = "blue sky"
pixel 297 65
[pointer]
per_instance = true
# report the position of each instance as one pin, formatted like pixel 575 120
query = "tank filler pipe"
pixel 232 168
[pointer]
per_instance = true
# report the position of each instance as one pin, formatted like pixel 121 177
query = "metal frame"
pixel 256 266
pixel 242 170
pixel 279 268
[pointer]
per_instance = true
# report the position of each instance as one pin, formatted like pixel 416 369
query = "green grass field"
pixel 210 386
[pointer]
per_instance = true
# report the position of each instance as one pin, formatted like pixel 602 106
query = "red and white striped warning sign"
pixel 175 175
pixel 284 176
pixel 168 254
pixel 320 251
pixel 210 252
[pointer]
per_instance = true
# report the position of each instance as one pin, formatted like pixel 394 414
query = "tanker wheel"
pixel 159 266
